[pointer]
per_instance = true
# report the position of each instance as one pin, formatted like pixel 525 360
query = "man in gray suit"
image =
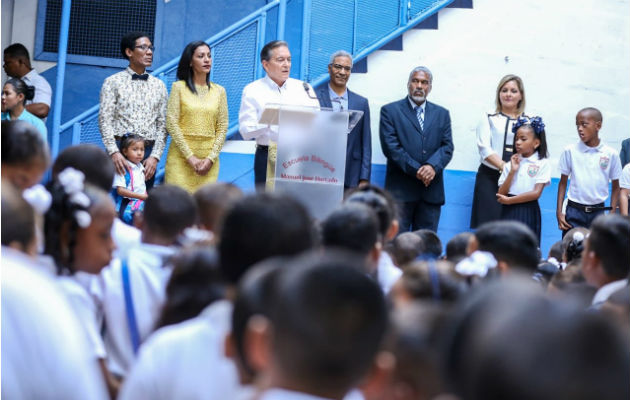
pixel 337 96
pixel 416 139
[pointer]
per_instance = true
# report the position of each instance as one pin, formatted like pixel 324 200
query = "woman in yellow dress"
pixel 196 119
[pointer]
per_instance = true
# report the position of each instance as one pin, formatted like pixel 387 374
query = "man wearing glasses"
pixel 134 101
pixel 336 95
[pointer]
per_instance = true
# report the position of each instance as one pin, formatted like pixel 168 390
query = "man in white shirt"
pixel 605 256
pixel 17 64
pixel 275 88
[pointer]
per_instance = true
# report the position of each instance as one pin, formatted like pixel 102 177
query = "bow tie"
pixel 136 77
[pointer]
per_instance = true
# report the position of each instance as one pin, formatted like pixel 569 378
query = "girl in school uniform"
pixel 526 175
pixel 77 230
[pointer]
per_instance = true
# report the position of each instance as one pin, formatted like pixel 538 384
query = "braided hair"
pixel 69 210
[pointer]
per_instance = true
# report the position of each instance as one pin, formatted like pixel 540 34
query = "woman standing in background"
pixel 196 119
pixel 495 142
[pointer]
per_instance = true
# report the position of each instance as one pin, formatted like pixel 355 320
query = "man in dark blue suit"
pixel 336 95
pixel 416 139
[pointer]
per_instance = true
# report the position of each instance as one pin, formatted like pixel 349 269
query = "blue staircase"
pixel 324 26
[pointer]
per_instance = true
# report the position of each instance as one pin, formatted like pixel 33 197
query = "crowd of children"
pixel 221 295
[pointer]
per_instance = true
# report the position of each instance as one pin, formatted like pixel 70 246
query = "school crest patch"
pixel 603 162
pixel 532 170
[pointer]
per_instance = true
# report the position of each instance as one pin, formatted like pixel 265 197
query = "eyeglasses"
pixel 339 67
pixel 144 47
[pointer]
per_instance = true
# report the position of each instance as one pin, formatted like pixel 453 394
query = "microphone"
pixel 307 90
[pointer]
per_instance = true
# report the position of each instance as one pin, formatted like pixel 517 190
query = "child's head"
pixel 315 346
pixel 432 243
pixel 556 251
pixel 167 212
pixel 588 122
pixel 18 221
pixel 91 160
pixel 512 243
pixel 405 248
pixel 77 227
pixel 457 246
pixel 262 226
pixel 196 281
pixel 530 137
pixel 14 93
pixel 606 252
pixel 353 227
pixel 383 203
pixel 25 155
pixel 132 147
pixel 428 280
pixel 213 201
pixel 573 244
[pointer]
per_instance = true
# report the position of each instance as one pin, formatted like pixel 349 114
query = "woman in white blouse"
pixel 495 142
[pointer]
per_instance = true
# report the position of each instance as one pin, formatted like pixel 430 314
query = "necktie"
pixel 137 77
pixel 420 115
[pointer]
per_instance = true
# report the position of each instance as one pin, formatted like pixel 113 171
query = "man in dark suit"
pixel 336 95
pixel 416 139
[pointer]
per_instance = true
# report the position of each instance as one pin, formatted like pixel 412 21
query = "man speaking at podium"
pixel 276 87
pixel 336 95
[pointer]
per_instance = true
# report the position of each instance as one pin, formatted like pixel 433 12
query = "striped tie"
pixel 420 115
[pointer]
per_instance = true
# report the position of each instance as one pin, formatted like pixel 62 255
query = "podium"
pixel 307 156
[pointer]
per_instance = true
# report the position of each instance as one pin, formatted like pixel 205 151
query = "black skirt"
pixel 527 213
pixel 485 207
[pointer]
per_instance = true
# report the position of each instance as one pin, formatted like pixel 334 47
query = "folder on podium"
pixel 307 156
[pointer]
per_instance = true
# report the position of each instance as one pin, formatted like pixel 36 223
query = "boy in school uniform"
pixel 591 165
pixel 168 211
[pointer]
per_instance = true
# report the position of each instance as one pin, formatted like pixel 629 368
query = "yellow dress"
pixel 197 124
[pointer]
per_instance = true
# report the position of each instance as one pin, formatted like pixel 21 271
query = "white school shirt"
pixel 387 272
pixel 604 292
pixel 263 91
pixel 532 170
pixel 590 169
pixel 137 184
pixel 76 288
pixel 148 276
pixel 45 354
pixel 493 132
pixel 624 181
pixel 285 394
pixel 186 361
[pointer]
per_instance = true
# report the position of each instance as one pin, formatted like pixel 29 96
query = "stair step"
pixel 461 4
pixel 394 44
pixel 429 23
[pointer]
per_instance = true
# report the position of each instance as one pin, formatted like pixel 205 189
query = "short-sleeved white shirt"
pixel 590 169
pixel 532 170
pixel 137 183
pixel 148 276
pixel 43 91
pixel 76 288
pixel 44 351
pixel 186 361
pixel 624 181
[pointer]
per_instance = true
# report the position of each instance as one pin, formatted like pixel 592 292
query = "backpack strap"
pixel 131 314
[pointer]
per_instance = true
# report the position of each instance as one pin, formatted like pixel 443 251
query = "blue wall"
pixel 455 218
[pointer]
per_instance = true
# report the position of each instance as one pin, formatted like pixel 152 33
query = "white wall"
pixel 569 57
pixel 19 19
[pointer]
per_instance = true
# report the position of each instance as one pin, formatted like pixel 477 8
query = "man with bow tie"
pixel 134 101
pixel 416 139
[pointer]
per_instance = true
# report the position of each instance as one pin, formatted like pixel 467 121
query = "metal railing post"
pixel 282 16
pixel 61 72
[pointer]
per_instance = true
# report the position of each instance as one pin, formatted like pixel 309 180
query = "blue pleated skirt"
pixel 527 213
